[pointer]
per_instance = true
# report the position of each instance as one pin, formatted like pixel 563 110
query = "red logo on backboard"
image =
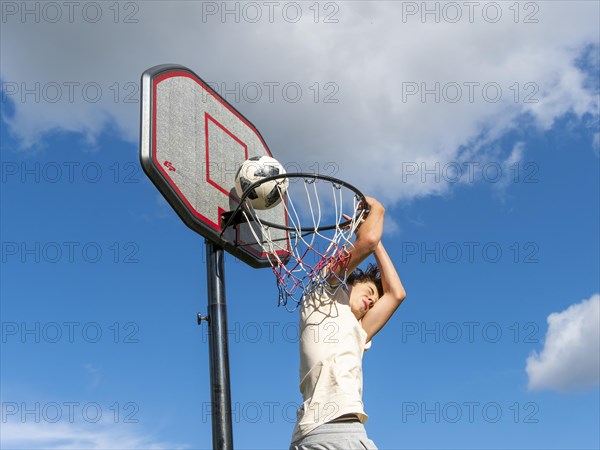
pixel 169 166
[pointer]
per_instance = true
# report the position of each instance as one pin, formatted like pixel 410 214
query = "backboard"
pixel 192 144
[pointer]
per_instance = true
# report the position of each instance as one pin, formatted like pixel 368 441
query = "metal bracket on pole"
pixel 201 318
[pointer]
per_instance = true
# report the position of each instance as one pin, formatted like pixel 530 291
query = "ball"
pixel 267 195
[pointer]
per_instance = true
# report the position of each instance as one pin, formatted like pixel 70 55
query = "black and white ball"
pixel 268 194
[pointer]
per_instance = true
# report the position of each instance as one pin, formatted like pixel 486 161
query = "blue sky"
pixel 101 281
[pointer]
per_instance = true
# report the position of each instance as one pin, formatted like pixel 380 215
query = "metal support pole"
pixel 220 395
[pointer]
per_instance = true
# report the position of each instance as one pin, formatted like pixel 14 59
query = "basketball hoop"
pixel 321 215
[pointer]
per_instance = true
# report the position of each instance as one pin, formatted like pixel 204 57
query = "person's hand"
pixel 371 205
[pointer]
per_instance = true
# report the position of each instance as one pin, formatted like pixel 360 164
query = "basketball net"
pixel 319 236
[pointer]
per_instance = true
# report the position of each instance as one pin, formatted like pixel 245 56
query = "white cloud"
pixel 371 57
pixel 570 358
pixel 392 227
pixel 94 374
pixel 511 170
pixel 63 435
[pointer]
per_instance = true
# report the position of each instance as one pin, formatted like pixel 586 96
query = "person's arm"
pixel 368 236
pixel 393 294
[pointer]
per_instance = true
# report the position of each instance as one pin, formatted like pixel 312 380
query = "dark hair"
pixel 371 274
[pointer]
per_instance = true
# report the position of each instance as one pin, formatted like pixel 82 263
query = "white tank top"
pixel 332 343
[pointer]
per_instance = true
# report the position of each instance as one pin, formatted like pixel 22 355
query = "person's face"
pixel 362 298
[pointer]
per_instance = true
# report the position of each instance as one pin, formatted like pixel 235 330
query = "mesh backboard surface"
pixel 192 143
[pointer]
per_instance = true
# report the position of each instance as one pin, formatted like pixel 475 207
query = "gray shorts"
pixel 336 436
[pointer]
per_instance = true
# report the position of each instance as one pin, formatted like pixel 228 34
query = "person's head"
pixel 365 289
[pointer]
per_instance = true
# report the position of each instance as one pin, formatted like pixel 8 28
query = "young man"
pixel 337 323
